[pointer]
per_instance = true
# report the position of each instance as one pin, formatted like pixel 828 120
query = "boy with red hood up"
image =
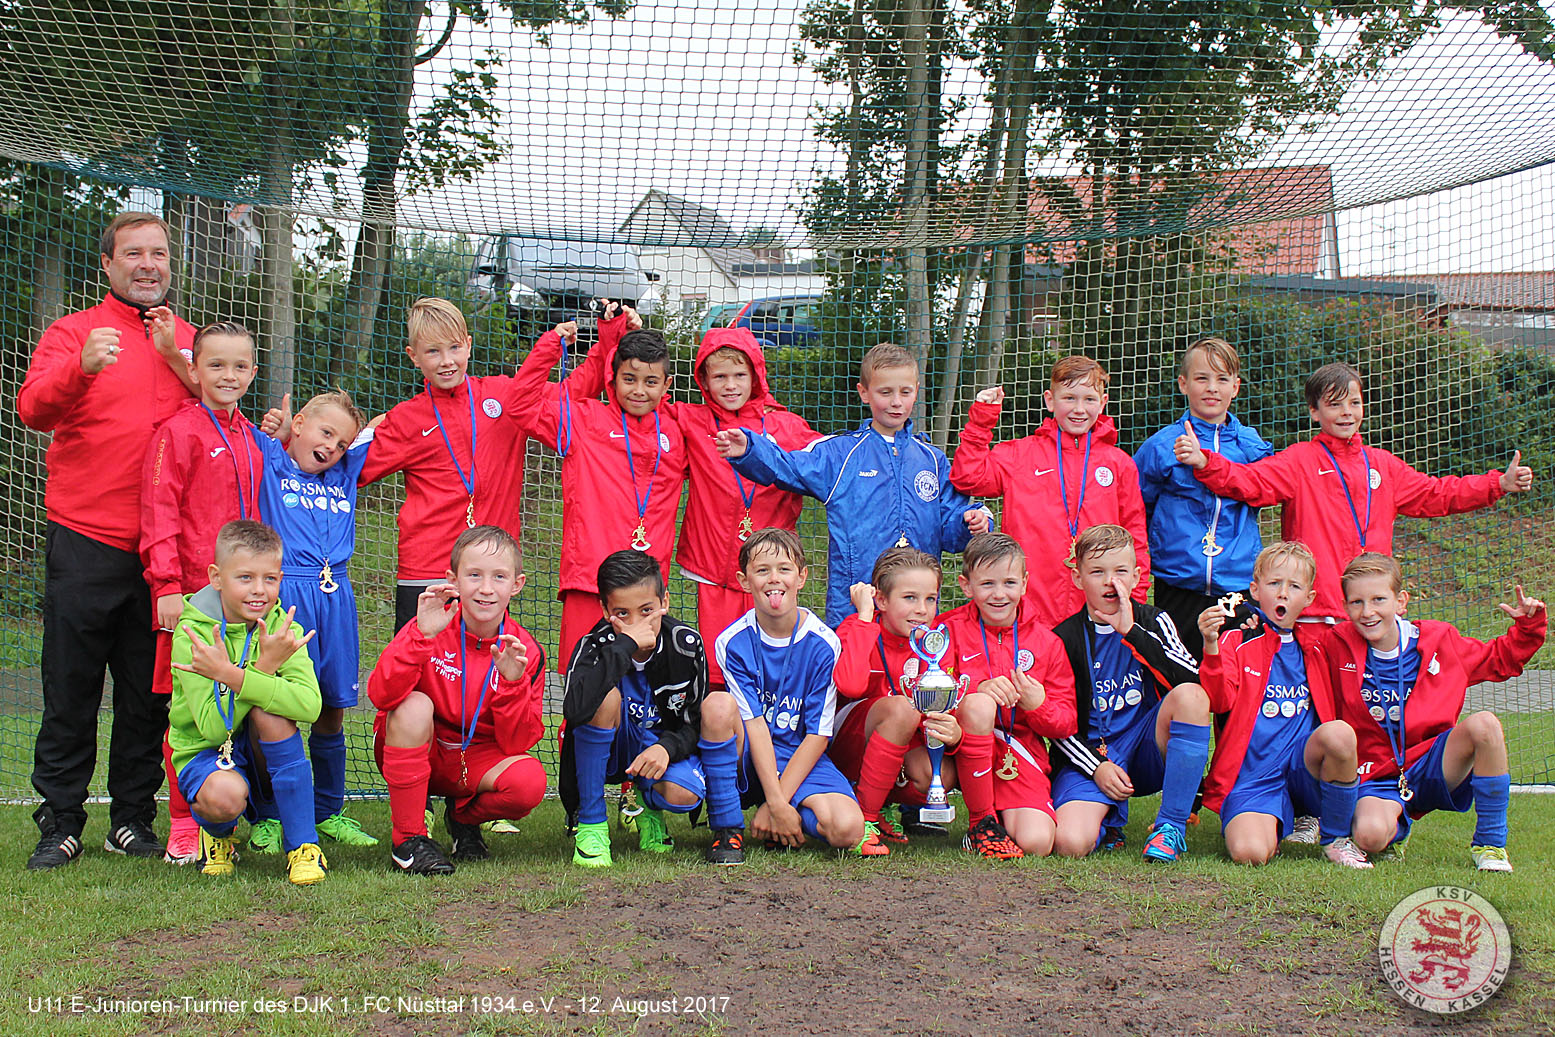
pixel 724 508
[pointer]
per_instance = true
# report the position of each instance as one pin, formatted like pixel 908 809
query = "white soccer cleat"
pixel 1305 831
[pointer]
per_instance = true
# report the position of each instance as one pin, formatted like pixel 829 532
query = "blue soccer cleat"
pixel 1167 843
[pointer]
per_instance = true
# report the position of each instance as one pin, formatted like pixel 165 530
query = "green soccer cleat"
pixel 499 827
pixel 265 837
pixel 591 846
pixel 652 834
pixel 345 830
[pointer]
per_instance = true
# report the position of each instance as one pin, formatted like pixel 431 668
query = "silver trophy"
pixel 935 692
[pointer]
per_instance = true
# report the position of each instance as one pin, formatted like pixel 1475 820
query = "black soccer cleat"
pixel 419 855
pixel 468 842
pixel 54 849
pixel 134 839
pixel 728 847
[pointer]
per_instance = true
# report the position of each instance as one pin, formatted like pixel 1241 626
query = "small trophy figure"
pixel 935 692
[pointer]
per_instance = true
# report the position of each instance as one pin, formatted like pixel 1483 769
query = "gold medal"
pixel 1229 603
pixel 745 528
pixel 1404 791
pixel 1070 559
pixel 464 772
pixel 1211 549
pixel 901 541
pixel 640 537
pixel 224 755
pixel 327 582
pixel 1101 750
pixel 469 512
pixel 1009 769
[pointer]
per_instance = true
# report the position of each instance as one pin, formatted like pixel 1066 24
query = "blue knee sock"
pixel 1336 807
pixel 291 779
pixel 328 753
pixel 808 822
pixel 221 830
pixel 590 757
pixel 1491 796
pixel 719 762
pixel 1187 751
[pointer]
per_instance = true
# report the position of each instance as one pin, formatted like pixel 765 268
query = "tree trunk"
pixel 278 295
pixel 374 253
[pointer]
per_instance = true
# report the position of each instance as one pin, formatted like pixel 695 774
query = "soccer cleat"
pixel 499 827
pixel 265 836
pixel 870 845
pixel 1345 853
pixel 1490 858
pixel 1304 832
pixel 1167 843
pixel 652 834
pixel 890 825
pixel 591 846
pixel 468 843
pixel 1111 839
pixel 306 865
pixel 218 854
pixel 988 839
pixel 183 841
pixel 728 847
pixel 419 855
pixel 345 830
pixel 134 839
pixel 54 849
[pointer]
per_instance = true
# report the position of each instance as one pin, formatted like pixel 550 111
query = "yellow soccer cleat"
pixel 306 865
pixel 218 856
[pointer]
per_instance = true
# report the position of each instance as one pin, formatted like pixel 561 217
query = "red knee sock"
pixel 974 770
pixel 406 770
pixel 881 766
pixel 519 790
pixel 177 806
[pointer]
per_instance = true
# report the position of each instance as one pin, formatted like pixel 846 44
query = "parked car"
pixel 719 316
pixel 780 321
pixel 546 281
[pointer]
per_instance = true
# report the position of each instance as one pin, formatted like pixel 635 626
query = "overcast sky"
pixel 705 100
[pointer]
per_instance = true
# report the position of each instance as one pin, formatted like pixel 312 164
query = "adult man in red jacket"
pixel 102 380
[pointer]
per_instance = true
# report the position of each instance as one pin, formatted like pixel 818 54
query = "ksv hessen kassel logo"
pixel 1444 949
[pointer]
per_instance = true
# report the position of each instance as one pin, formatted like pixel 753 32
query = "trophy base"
pixel 940 815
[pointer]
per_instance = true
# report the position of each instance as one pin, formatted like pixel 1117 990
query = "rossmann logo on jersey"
pixel 1381 703
pixel 1285 700
pixel 643 714
pixel 786 714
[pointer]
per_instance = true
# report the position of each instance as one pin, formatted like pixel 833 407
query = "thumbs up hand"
pixel 1187 448
pixel 1518 477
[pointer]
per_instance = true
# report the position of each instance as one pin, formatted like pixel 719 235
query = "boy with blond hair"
pixel 1202 545
pixel 1401 685
pixel 1280 749
pixel 1059 481
pixel 1340 497
pixel 884 485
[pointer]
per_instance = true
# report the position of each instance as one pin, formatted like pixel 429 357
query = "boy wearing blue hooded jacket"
pixel 884 485
pixel 1201 546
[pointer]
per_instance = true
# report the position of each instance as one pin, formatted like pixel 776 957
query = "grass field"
pixel 929 941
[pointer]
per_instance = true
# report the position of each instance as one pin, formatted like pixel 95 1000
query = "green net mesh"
pixel 992 183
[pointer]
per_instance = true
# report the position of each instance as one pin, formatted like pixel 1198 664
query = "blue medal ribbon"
pixel 1395 732
pixel 1014 666
pixel 467 733
pixel 761 670
pixel 237 472
pixel 1104 716
pixel 1349 499
pixel 231 708
pixel 1063 493
pixel 631 466
pixel 467 480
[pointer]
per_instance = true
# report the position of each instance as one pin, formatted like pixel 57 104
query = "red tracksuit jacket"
pixel 710 535
pixel 434 512
pixel 1449 664
pixel 192 489
pixel 599 497
pixel 513 715
pixel 1315 512
pixel 1025 473
pixel 1041 657
pixel 1235 681
pixel 860 672
pixel 101 422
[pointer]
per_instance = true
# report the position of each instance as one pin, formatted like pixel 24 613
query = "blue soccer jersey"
pixel 1117 686
pixel 1388 678
pixel 1285 719
pixel 786 680
pixel 314 514
pixel 638 707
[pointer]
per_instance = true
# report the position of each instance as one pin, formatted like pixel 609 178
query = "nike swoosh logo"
pixel 614 435
pixel 1325 471
pixel 969 658
pixel 1045 471
pixel 217 451
pixel 982 774
pixel 428 432
pixel 403 862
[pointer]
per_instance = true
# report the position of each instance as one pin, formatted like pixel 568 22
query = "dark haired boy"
pixel 201 471
pixel 461 702
pixel 636 707
pixel 778 660
pixel 623 461
pixel 242 682
pixel 1142 718
pixel 884 484
pixel 1341 496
